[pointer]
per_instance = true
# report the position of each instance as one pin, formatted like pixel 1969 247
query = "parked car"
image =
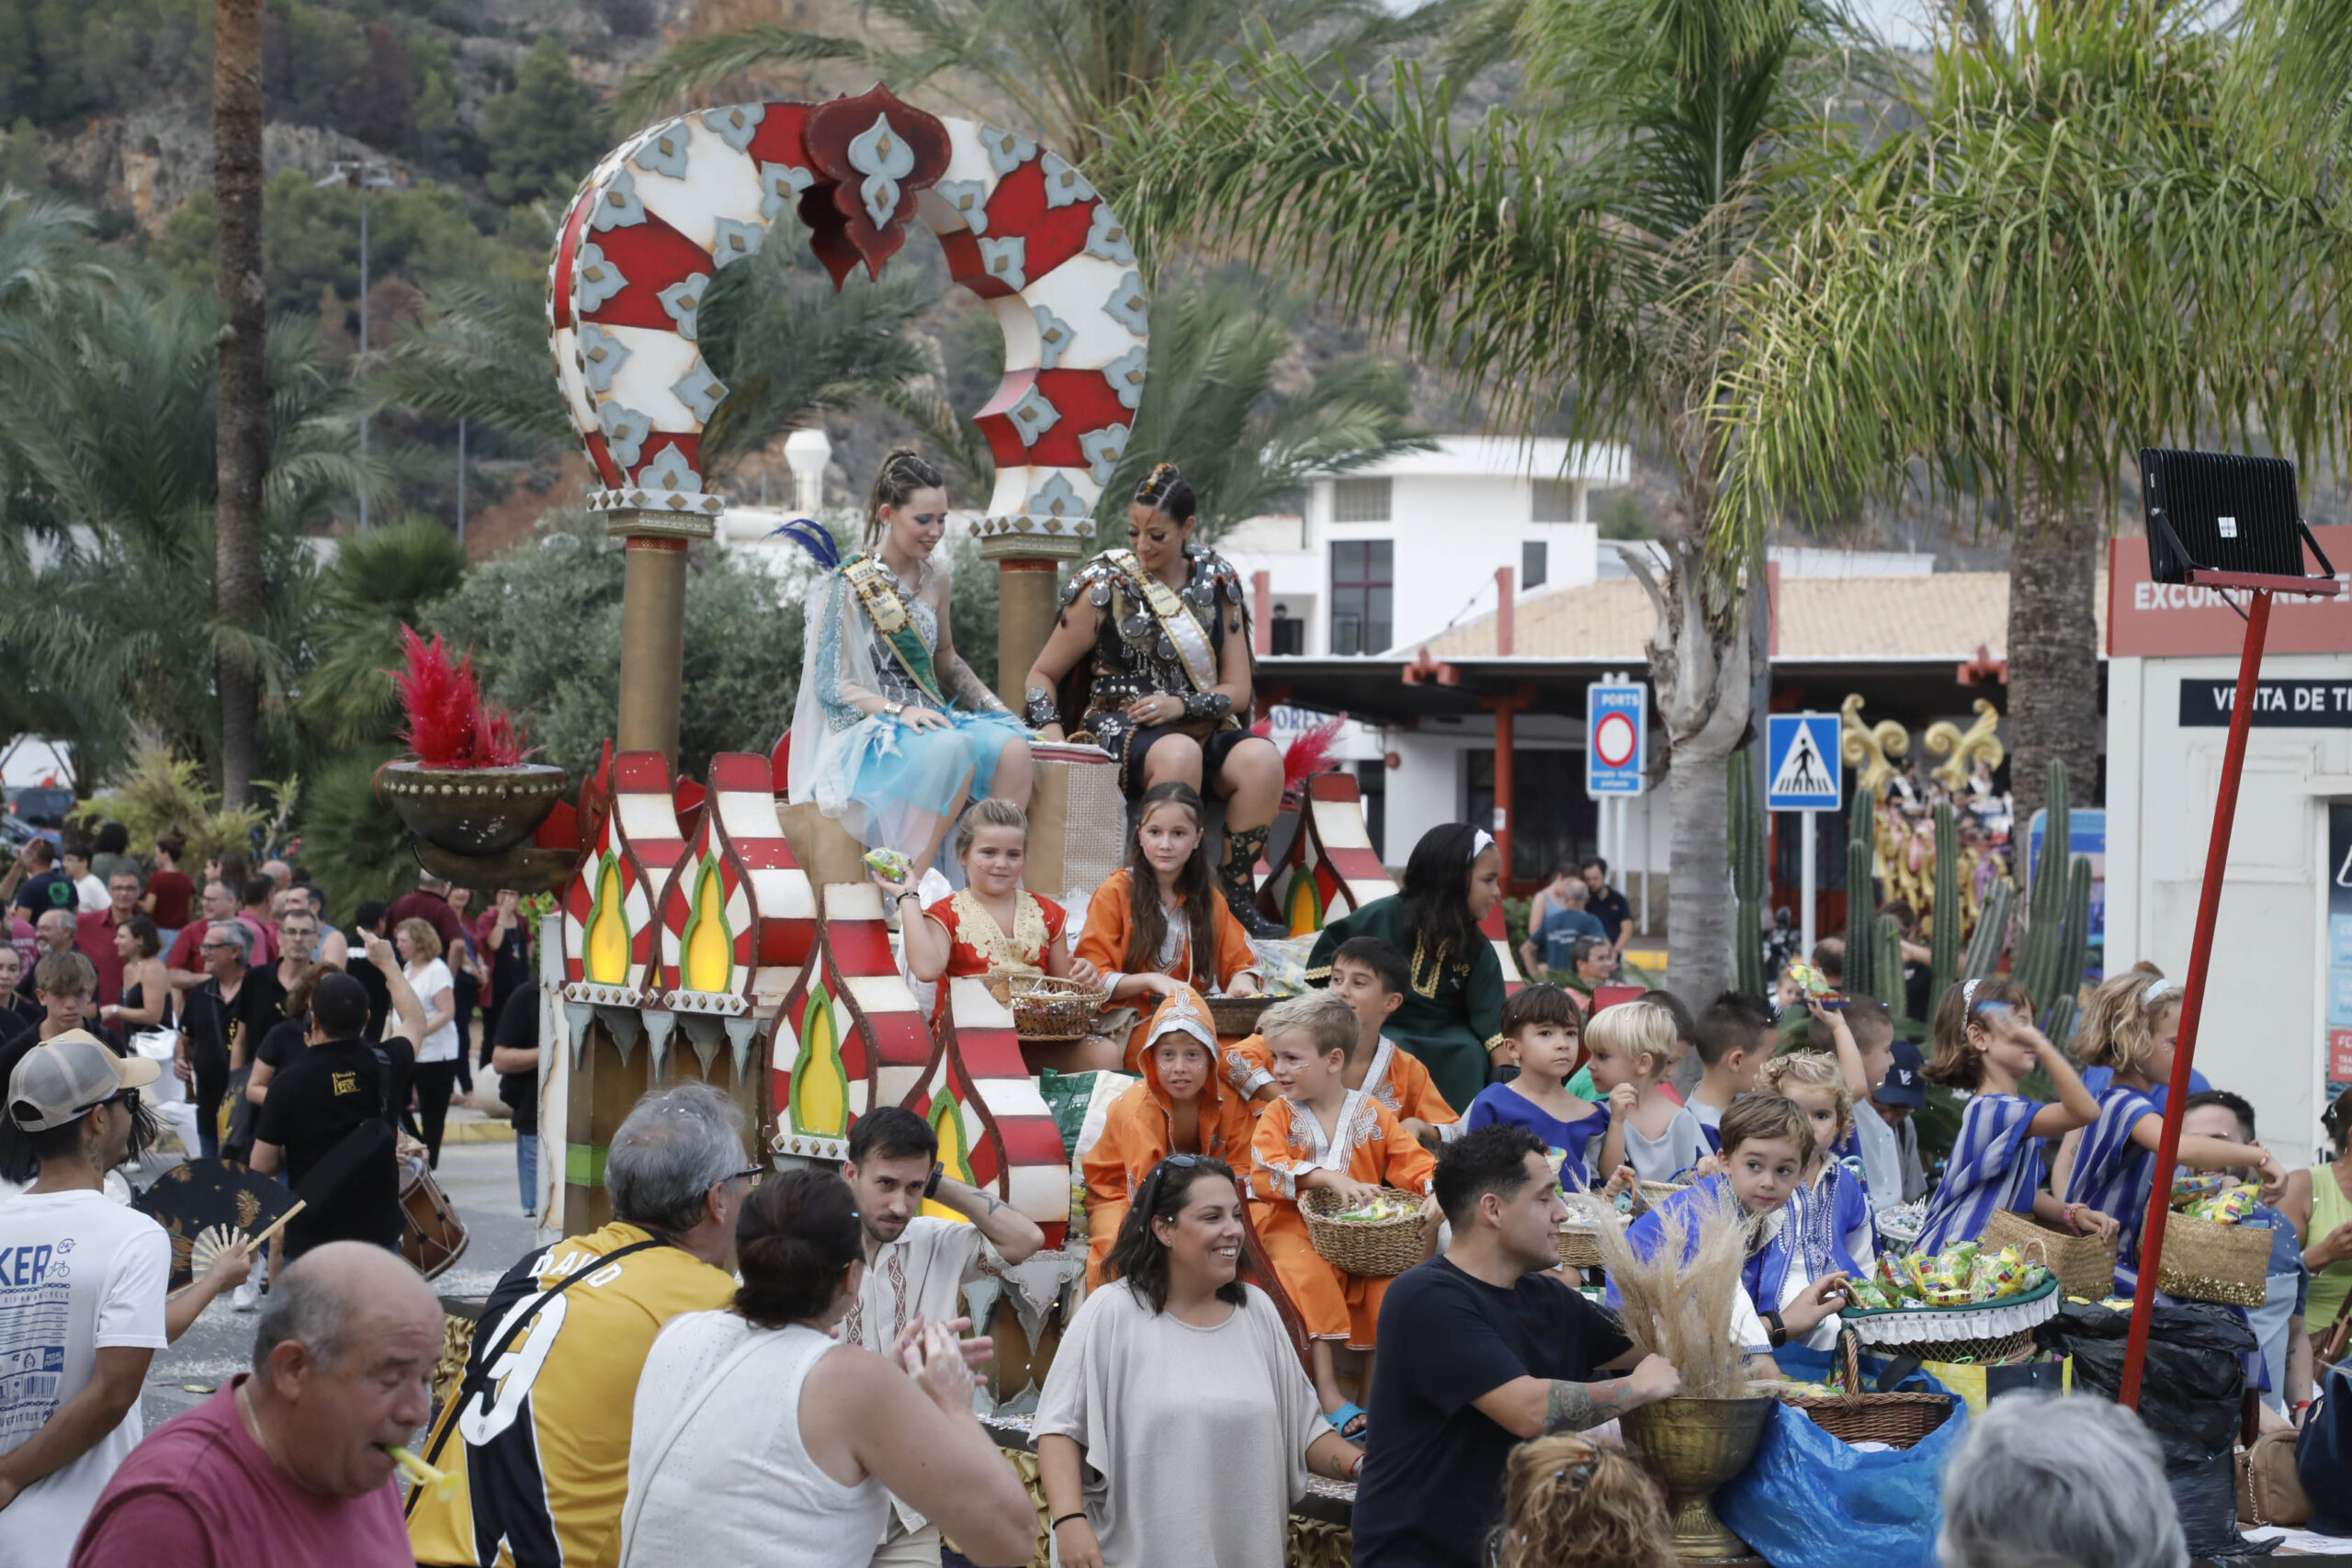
pixel 42 806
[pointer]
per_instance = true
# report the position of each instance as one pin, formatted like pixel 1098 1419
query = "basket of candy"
pixel 1853 1415
pixel 1044 1008
pixel 1965 1305
pixel 2211 1251
pixel 2084 1264
pixel 1374 1239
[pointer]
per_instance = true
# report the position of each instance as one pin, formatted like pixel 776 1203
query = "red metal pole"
pixel 1504 712
pixel 2192 1002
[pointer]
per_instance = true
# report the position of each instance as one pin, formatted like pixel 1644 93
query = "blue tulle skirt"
pixel 890 785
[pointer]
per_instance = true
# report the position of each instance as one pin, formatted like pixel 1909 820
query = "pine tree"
pixel 546 132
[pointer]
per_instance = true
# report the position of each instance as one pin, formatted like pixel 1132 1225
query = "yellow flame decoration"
pixel 709 945
pixel 1305 903
pixel 947 1122
pixel 820 1083
pixel 606 959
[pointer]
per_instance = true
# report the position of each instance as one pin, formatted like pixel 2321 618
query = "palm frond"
pixel 682 72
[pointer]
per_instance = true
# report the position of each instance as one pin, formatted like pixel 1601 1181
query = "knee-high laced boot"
pixel 1238 877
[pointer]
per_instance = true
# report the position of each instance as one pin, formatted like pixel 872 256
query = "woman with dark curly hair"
pixel 1452 1016
pixel 758 1437
pixel 1177 1425
pixel 1151 656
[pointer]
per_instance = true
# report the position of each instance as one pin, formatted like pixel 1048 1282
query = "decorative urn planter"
pixel 474 812
pixel 1694 1446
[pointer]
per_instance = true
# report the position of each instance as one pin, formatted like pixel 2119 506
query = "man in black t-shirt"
pixel 329 1121
pixel 1479 1351
pixel 514 1058
pixel 1605 904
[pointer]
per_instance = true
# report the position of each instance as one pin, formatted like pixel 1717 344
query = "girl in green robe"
pixel 1451 1017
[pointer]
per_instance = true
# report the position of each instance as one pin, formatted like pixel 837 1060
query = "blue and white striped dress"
pixel 1996 1164
pixel 2112 1173
pixel 1829 1228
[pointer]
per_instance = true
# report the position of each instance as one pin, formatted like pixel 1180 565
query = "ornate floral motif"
pixel 1065 186
pixel 1128 304
pixel 1107 237
pixel 736 124
pixel 1006 259
pixel 969 200
pixel 625 432
pixel 1103 448
pixel 1125 375
pixel 664 151
pixel 1054 335
pixel 699 390
pixel 618 205
pixel 733 240
pixel 1032 416
pixel 599 279
pixel 600 356
pixel 682 300
pixel 1006 152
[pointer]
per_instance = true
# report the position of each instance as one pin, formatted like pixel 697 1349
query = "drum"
pixel 432 1236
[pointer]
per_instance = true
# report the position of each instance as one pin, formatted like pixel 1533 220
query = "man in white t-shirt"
pixel 82 1286
pixel 916 1264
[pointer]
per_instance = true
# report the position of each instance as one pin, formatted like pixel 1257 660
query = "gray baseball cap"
pixel 68 1077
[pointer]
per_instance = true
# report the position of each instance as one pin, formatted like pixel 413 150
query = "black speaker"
pixel 2216 512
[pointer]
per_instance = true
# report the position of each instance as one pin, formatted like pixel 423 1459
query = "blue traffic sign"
pixel 1616 730
pixel 1802 762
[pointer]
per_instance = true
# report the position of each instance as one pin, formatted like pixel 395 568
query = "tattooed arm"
pixel 955 677
pixel 1014 1233
pixel 1531 1406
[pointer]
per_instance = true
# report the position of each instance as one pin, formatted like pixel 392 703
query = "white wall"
pixel 2264 1024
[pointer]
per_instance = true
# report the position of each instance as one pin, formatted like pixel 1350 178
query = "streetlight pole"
pixel 365 175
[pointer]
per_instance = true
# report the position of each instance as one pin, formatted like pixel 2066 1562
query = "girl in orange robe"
pixel 996 926
pixel 1141 924
pixel 1182 1107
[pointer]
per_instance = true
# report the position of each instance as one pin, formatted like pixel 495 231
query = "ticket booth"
pixel 2278 1016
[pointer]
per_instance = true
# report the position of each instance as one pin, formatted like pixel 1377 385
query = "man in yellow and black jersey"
pixel 536 1440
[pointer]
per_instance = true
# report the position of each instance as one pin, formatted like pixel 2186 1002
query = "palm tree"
pixel 1586 241
pixel 111 451
pixel 243 416
pixel 377 582
pixel 2068 257
pixel 1061 66
pixel 1211 407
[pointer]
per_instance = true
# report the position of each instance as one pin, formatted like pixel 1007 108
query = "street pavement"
pixel 479 1177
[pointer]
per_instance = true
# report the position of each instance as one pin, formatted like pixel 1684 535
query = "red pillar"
pixel 1504 631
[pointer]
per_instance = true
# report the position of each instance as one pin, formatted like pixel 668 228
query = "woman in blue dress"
pixel 893 733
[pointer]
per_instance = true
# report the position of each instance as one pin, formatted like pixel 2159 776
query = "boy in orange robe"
pixel 1371 976
pixel 1322 1134
pixel 1182 1107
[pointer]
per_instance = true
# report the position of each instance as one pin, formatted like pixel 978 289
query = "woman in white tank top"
pixel 758 1438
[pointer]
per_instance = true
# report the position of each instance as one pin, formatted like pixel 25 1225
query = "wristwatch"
pixel 931 1188
pixel 1776 1333
pixel 894 709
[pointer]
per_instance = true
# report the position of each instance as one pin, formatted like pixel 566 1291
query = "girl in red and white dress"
pixel 995 925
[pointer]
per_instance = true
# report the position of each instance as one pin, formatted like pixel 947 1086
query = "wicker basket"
pixel 2204 1261
pixel 1997 1351
pixel 1579 1248
pixel 1653 1194
pixel 2084 1264
pixel 1374 1249
pixel 1236 1015
pixel 1899 1420
pixel 1044 1008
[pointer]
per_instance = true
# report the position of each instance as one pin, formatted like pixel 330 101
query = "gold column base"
pixel 1029 553
pixel 653 624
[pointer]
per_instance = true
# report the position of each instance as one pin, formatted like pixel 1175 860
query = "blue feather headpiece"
pixel 810 535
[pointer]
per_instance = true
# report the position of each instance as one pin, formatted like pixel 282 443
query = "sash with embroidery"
pixel 882 606
pixel 1185 633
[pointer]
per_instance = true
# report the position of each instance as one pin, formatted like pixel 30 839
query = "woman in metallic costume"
pixel 1150 655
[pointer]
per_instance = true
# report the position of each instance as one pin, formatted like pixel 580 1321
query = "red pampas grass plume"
pixel 444 721
pixel 1310 755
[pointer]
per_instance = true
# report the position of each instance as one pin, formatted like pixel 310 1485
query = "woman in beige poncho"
pixel 1177 1425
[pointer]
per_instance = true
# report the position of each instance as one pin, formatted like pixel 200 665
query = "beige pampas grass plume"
pixel 1678 1302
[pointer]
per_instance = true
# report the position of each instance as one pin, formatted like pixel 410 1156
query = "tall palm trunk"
pixel 1699 669
pixel 243 437
pixel 2053 647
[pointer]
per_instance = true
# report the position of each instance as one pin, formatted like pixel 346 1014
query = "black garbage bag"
pixel 2191 1392
pixel 2192 1385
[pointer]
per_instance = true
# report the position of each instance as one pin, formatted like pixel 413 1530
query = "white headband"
pixel 1480 842
pixel 2155 988
pixel 1967 992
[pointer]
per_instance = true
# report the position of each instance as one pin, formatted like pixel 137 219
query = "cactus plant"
pixel 1991 936
pixel 2039 951
pixel 1862 893
pixel 1943 937
pixel 1746 843
pixel 1886 965
pixel 2066 978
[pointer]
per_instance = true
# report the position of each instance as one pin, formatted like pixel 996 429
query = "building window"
pixel 1371 783
pixel 1363 582
pixel 1552 818
pixel 1555 501
pixel 1360 500
pixel 1287 632
pixel 1533 556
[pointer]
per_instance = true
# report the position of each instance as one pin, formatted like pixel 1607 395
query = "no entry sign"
pixel 1616 720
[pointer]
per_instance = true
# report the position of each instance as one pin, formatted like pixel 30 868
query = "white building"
pixel 2277 1024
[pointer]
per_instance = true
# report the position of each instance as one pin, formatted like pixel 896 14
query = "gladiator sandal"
pixel 1239 876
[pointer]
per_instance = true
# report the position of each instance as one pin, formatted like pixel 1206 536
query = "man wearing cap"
pixel 82 1284
pixel 1901 1092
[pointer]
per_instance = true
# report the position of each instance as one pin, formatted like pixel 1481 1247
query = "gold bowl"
pixel 1694 1446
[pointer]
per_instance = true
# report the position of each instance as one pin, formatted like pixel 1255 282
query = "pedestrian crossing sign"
pixel 1802 767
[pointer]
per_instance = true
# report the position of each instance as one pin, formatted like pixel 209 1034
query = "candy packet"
pixel 889 865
